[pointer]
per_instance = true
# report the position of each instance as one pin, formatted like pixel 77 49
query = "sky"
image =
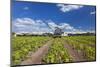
pixel 44 17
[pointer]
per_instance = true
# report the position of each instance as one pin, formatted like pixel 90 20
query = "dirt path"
pixel 73 53
pixel 36 57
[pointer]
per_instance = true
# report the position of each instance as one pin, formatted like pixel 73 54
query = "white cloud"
pixel 64 26
pixel 92 12
pixel 51 24
pixel 67 8
pixel 26 8
pixel 31 25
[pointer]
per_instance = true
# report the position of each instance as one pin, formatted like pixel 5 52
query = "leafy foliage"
pixel 57 53
pixel 21 46
pixel 83 44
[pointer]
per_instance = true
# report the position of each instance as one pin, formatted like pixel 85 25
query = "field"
pixel 46 50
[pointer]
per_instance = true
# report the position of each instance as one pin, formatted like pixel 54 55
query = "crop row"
pixel 82 45
pixel 90 40
pixel 21 46
pixel 57 53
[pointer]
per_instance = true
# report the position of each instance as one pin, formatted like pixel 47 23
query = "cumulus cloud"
pixel 92 12
pixel 63 26
pixel 66 26
pixel 23 22
pixel 31 25
pixel 51 24
pixel 67 8
pixel 26 8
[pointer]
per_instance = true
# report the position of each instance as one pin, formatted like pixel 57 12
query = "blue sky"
pixel 35 17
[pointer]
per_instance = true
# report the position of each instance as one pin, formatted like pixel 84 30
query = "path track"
pixel 36 58
pixel 73 53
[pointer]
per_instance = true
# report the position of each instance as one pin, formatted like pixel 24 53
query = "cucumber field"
pixel 49 50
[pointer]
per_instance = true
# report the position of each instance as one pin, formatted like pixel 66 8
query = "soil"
pixel 76 56
pixel 36 58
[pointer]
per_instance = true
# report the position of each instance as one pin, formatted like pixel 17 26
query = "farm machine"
pixel 57 30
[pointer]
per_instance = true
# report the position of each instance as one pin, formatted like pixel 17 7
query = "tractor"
pixel 57 30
